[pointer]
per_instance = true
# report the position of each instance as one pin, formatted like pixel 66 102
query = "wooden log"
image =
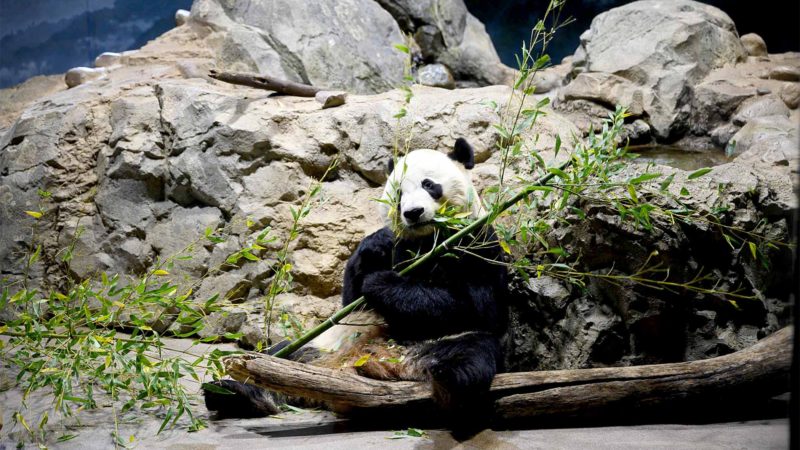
pixel 760 370
pixel 266 82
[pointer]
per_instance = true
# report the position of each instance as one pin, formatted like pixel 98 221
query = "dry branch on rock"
pixel 758 371
pixel 266 82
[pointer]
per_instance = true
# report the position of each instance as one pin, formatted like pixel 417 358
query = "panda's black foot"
pixel 242 401
pixel 462 368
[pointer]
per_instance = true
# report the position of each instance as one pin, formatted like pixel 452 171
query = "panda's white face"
pixel 420 184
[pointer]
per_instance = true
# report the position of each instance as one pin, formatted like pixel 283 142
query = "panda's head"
pixel 422 181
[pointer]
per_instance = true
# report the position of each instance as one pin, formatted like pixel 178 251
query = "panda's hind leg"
pixel 233 398
pixel 240 400
pixel 461 369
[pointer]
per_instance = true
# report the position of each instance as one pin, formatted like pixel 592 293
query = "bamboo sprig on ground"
pixel 436 251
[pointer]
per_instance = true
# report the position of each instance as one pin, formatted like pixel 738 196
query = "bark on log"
pixel 760 370
pixel 266 82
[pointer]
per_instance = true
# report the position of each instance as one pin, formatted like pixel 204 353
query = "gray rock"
pixel 548 80
pixel 181 17
pixel 430 41
pixel 107 59
pixel 754 44
pixel 607 90
pixel 293 40
pixel 714 102
pixel 684 42
pixel 550 289
pixel 474 56
pixel 767 105
pixel 637 131
pixel 436 75
pixel 199 176
pixel 172 236
pixel 771 140
pixel 784 73
pixel 447 33
pixel 331 99
pixel 721 135
pixel 230 286
pixel 790 94
pixel 80 75
pixel 125 204
pixel 228 320
pixel 763 91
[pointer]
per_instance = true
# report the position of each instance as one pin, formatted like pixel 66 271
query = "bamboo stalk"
pixel 487 219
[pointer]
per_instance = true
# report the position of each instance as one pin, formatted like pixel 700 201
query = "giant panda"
pixel 439 323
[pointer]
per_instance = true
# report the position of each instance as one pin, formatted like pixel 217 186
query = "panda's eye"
pixel 434 189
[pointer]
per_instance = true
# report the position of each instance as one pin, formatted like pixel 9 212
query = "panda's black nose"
pixel 413 214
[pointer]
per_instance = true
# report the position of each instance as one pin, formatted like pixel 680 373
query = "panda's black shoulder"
pixel 379 242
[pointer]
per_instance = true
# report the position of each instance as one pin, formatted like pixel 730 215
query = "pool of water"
pixel 681 159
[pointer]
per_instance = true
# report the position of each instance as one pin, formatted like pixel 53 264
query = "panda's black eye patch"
pixel 434 189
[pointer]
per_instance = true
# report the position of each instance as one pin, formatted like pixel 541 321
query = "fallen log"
pixel 760 370
pixel 266 82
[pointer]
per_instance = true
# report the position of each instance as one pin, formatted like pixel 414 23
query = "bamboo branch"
pixel 755 372
pixel 439 249
pixel 266 82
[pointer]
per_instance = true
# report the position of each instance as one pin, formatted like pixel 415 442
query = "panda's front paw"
pixel 376 284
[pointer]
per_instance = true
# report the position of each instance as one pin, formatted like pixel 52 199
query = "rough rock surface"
pixel 664 47
pixel 555 324
pixel 447 33
pixel 436 75
pixel 754 44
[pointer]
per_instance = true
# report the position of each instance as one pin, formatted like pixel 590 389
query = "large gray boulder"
pixel 341 44
pixel 663 46
pixel 447 33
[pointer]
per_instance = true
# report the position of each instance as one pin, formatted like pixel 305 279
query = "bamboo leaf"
pixel 632 192
pixel 699 173
pixel 645 177
pixel 211 387
pixel 402 48
pixel 361 361
pixel 665 184
pixel 34 214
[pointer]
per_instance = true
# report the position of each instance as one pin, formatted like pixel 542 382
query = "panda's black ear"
pixel 463 153
pixel 390 166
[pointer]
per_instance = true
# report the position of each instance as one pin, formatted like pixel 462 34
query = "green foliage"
pixel 282 278
pixel 66 341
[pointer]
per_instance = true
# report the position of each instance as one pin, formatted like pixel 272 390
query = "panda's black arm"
pixel 374 254
pixel 404 301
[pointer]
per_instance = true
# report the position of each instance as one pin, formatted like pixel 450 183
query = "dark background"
pixel 39 37
pixel 51 36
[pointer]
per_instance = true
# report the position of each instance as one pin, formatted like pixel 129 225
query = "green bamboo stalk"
pixel 342 313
